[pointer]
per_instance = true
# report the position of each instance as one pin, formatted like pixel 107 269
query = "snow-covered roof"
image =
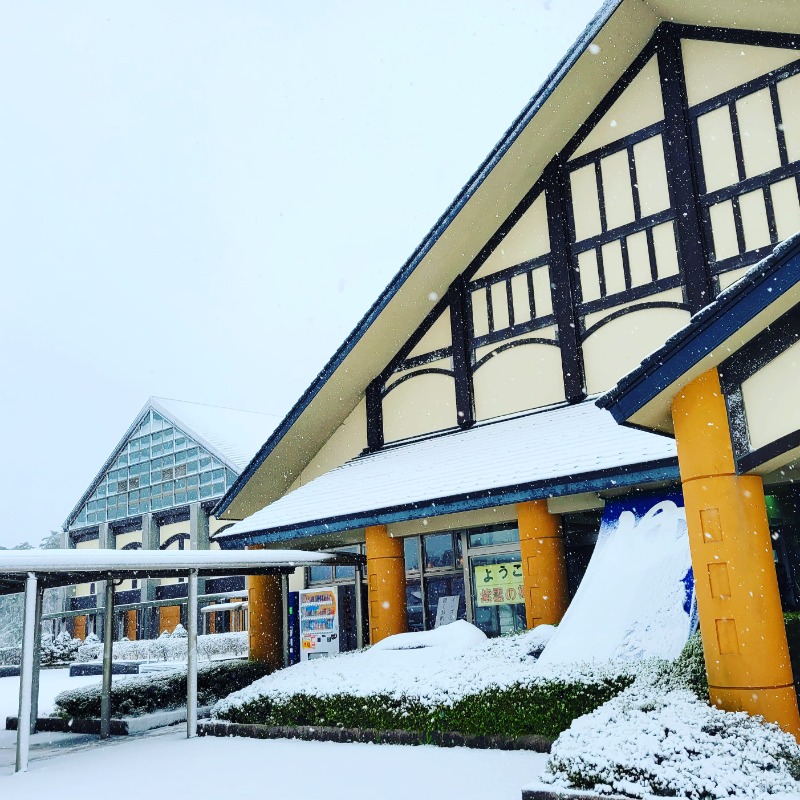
pixel 66 567
pixel 558 451
pixel 233 435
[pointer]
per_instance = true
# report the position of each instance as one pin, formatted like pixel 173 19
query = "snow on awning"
pixel 68 567
pixel 559 451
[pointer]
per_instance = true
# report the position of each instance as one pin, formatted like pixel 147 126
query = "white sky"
pixel 199 199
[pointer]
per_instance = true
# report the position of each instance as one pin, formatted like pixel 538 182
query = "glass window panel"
pixel 192 451
pixel 180 457
pixel 205 461
pixel 122 461
pixel 218 488
pixel 411 551
pixel 101 504
pixel 317 574
pixel 168 446
pixel 155 475
pixel 488 538
pixel 133 508
pixel 191 466
pixel 134 495
pixel 180 483
pixel 446 586
pixel 168 433
pixel 167 500
pixel 90 518
pixel 144 492
pixel 230 477
pixel 157 449
pixel 180 441
pixel 414 605
pixel 180 496
pixel 218 474
pixel 167 486
pixel 168 461
pixel 438 548
pixel 193 481
pixel 205 491
pixel 156 438
pixel 92 506
pixel 192 494
pixel 101 491
pixel 144 505
pixel 205 478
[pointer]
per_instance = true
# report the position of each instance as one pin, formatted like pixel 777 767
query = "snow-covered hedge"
pixel 647 741
pixel 132 695
pixel 10 655
pixel 169 648
pixel 451 679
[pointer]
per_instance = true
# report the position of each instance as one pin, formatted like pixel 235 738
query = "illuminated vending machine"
pixel 319 622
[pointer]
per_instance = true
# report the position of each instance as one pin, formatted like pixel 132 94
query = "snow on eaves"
pixel 545 447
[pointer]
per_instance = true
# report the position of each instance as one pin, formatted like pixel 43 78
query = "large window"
pixel 158 468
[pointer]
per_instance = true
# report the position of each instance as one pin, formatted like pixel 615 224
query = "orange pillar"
pixel 168 618
pixel 130 625
pixel 744 639
pixel 386 576
pixel 79 631
pixel 265 604
pixel 544 566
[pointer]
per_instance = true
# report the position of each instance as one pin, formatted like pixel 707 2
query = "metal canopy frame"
pixel 35 571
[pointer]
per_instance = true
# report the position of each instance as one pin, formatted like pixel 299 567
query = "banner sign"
pixel 497 584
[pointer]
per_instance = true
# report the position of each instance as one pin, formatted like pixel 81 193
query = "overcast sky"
pixel 199 200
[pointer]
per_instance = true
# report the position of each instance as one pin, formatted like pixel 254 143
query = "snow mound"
pixel 458 636
pixel 632 601
pixel 435 668
pixel 646 742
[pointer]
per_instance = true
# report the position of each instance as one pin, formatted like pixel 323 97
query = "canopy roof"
pixel 68 567
pixel 617 34
pixel 559 451
pixel 770 288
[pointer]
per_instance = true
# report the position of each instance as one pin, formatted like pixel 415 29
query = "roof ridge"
pixel 213 405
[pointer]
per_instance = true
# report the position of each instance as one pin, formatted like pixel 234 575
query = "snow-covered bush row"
pixel 168 648
pixel 649 742
pixel 450 679
pixel 132 695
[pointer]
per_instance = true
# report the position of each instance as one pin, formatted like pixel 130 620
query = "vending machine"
pixel 319 622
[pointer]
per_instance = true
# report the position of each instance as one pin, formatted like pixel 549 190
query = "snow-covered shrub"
pixel 173 648
pixel 60 649
pixel 10 655
pixel 165 634
pixel 648 742
pixel 688 671
pixel 132 695
pixel 180 632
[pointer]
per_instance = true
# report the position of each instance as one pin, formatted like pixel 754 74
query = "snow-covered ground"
pixel 248 769
pixel 51 682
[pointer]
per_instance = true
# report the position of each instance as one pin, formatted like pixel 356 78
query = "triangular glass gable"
pixel 158 468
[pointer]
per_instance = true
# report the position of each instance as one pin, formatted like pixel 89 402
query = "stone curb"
pixel 538 744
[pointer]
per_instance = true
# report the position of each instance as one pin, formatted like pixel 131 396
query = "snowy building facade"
pixel 156 491
pixel 455 431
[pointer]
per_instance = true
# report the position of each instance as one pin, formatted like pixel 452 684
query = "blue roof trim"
pixel 662 470
pixel 473 184
pixel 707 330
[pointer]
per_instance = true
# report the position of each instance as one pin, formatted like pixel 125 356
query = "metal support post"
pixel 26 675
pixel 359 597
pixel 191 659
pixel 285 618
pixel 37 657
pixel 108 642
